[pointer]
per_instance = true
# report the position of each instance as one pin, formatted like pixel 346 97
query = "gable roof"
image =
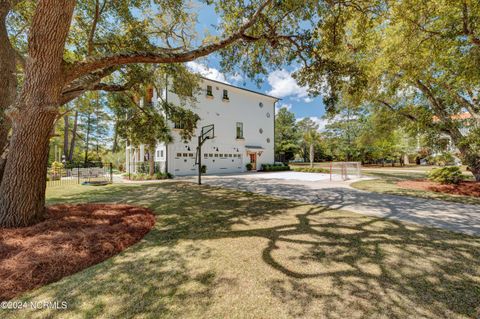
pixel 240 88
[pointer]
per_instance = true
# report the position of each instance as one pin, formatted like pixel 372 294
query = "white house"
pixel 244 132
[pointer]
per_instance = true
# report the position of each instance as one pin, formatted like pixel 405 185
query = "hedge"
pixel 311 170
pixel 275 167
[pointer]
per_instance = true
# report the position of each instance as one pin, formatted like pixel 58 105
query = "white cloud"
pixel 283 85
pixel 209 73
pixel 236 77
pixel 283 106
pixel 321 122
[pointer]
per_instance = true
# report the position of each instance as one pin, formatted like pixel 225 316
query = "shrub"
pixel 275 167
pixel 446 175
pixel 248 166
pixel 444 159
pixel 204 169
pixel 312 170
pixel 147 177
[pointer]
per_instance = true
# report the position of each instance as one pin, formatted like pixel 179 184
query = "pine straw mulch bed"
pixel 71 238
pixel 464 188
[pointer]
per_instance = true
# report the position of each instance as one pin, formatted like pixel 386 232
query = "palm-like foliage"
pixel 311 137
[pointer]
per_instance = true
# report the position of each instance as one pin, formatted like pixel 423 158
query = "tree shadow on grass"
pixel 322 263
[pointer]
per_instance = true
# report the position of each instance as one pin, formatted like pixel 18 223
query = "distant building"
pixel 244 133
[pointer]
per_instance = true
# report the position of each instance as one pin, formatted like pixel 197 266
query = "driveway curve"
pixel 456 217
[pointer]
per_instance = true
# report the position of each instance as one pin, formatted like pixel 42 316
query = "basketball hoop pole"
pixel 199 150
pixel 209 129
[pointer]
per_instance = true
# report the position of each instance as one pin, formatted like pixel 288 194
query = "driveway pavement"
pixel 453 216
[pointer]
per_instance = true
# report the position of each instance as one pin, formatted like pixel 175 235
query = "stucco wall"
pixel 243 106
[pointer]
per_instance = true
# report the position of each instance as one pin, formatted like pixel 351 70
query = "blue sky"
pixel 278 83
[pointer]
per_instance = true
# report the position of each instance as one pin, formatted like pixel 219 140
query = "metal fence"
pixel 78 173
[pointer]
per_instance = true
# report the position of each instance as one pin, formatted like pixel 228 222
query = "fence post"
pixel 111 173
pixel 78 173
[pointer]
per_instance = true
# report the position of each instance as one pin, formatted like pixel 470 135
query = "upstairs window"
pixel 178 125
pixel 209 90
pixel 239 130
pixel 225 95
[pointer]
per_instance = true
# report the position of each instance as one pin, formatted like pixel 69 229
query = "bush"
pixel 275 167
pixel 444 159
pixel 248 166
pixel 446 175
pixel 147 177
pixel 204 169
pixel 311 170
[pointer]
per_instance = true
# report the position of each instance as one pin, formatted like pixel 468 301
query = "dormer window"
pixel 225 95
pixel 209 90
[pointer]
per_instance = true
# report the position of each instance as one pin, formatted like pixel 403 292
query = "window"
pixel 268 115
pixel 239 130
pixel 209 90
pixel 260 104
pixel 261 131
pixel 225 95
pixel 178 125
pixel 205 155
pixel 190 154
pixel 158 153
pixel 210 155
pixel 268 140
pixel 161 153
pixel 179 154
pixel 185 154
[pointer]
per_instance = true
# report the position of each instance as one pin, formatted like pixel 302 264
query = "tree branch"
pixel 164 55
pixel 440 111
pixel 96 18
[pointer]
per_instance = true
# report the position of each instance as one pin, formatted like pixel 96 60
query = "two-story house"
pixel 244 132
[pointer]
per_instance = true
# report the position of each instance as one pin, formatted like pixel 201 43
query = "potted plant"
pixel 248 166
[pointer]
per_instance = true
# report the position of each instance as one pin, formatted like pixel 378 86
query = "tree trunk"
pixel 151 159
pixel 115 138
pixel 8 83
pixel 472 160
pixel 3 159
pixel 87 141
pixel 74 136
pixel 65 136
pixel 33 115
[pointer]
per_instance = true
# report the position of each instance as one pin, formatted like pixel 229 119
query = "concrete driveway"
pixel 452 216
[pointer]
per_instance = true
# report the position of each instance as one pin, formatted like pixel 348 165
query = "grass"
pixel 218 253
pixel 386 182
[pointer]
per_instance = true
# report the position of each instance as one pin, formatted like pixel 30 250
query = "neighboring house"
pixel 244 133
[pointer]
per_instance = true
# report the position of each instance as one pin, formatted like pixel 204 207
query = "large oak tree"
pixel 419 59
pixel 55 50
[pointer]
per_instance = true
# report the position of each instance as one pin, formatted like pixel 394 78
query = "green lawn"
pixel 218 253
pixel 386 182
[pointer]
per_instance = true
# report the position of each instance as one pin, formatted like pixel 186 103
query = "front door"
pixel 253 161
